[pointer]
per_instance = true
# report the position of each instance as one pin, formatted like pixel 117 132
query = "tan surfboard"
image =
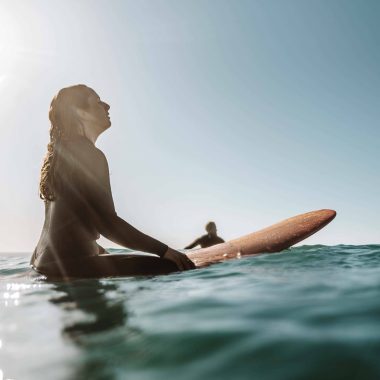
pixel 274 238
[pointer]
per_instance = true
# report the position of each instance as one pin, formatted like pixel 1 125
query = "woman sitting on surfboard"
pixel 207 240
pixel 75 187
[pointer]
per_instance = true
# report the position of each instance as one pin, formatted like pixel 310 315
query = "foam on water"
pixel 312 312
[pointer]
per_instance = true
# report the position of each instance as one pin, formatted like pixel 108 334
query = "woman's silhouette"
pixel 75 187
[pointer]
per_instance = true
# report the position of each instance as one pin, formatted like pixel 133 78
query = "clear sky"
pixel 241 112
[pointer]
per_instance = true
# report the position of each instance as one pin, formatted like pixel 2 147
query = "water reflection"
pixel 95 320
pixel 12 293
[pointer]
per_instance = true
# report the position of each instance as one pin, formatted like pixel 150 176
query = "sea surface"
pixel 310 312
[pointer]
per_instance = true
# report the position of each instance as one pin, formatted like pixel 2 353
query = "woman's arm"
pixel 120 232
pixel 98 197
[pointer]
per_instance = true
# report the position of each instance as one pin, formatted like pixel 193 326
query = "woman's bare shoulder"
pixel 84 158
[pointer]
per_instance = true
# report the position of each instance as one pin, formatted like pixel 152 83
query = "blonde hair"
pixel 64 126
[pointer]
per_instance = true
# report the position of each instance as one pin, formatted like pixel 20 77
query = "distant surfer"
pixel 208 240
pixel 75 187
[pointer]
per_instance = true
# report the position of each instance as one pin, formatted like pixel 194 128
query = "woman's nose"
pixel 106 106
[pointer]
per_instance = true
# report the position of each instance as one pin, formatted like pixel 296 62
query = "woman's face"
pixel 97 113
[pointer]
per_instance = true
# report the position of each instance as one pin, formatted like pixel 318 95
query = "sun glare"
pixel 21 38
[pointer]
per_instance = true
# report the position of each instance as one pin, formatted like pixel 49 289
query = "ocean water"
pixel 311 312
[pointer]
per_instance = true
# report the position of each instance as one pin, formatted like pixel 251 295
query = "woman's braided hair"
pixel 64 126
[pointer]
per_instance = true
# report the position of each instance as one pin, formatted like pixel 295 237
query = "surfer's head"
pixel 211 228
pixel 77 110
pixel 74 111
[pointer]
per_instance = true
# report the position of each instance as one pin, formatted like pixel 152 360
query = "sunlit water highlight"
pixel 312 312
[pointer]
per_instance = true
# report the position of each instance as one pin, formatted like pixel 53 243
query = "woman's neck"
pixel 90 133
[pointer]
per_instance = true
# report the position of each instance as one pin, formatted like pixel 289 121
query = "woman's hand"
pixel 180 259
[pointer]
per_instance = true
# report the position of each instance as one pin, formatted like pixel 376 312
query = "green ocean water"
pixel 311 312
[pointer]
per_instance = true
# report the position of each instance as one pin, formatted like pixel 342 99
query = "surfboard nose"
pixel 328 214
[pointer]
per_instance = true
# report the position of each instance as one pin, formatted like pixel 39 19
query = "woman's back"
pixel 70 228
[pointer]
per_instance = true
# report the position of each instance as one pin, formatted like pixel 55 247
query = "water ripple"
pixel 311 312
